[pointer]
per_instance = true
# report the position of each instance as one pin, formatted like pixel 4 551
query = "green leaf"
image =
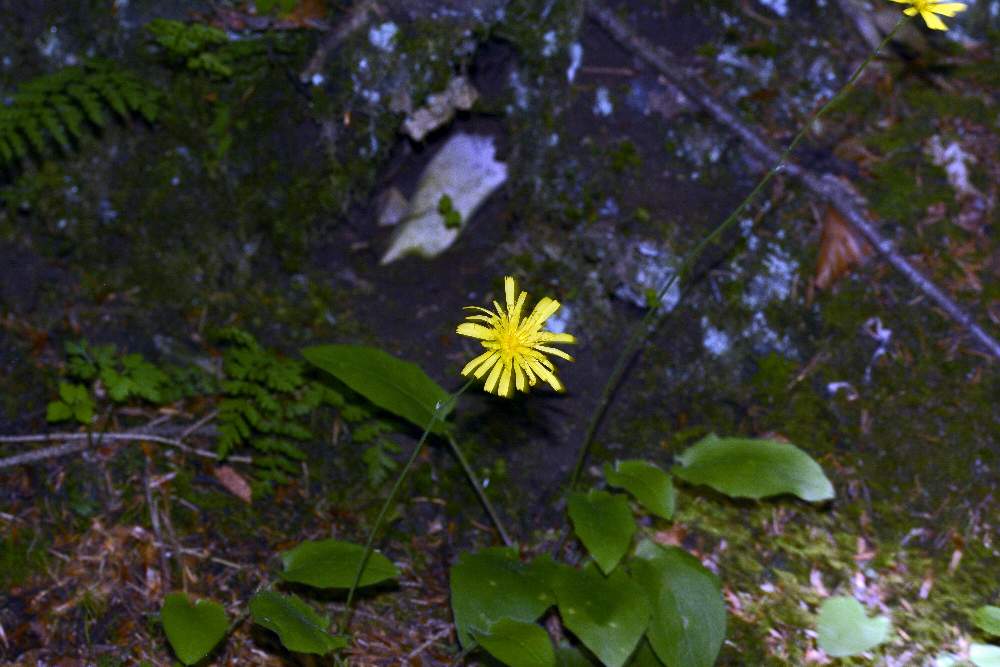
pixel 987 619
pixel 743 468
pixel 72 393
pixel 608 614
pixel 984 655
pixel 57 411
pixel 493 584
pixel 518 644
pixel 644 656
pixel 571 656
pixel 193 630
pixel 298 627
pixel 688 624
pixel 398 386
pixel 334 564
pixel 84 411
pixel 648 484
pixel 845 630
pixel 604 524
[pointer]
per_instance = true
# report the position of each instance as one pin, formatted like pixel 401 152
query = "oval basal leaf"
pixel 688 624
pixel 193 629
pixel 395 385
pixel 334 564
pixel 845 630
pixel 744 468
pixel 298 627
pixel 604 524
pixel 648 484
pixel 518 644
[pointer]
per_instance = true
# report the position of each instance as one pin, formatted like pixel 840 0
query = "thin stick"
pixel 354 21
pixel 44 453
pixel 480 492
pixel 114 437
pixel 827 187
pixel 154 521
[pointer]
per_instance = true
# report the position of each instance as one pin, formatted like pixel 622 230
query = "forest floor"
pixel 252 201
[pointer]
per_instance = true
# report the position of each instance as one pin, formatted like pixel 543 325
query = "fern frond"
pixel 54 108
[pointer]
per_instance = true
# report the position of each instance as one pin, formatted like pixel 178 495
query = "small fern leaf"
pixel 50 120
pixel 71 116
pixel 111 90
pixel 89 102
pixel 32 129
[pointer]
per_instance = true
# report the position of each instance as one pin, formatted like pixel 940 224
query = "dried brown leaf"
pixel 233 482
pixel 841 249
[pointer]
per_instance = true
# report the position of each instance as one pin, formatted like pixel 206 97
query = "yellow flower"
pixel 928 8
pixel 515 347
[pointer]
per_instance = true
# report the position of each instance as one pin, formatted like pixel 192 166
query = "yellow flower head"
pixel 515 346
pixel 928 8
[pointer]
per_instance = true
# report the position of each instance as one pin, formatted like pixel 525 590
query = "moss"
pixel 23 553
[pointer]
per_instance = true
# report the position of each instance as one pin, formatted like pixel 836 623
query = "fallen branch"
pixel 836 192
pixel 72 445
pixel 356 19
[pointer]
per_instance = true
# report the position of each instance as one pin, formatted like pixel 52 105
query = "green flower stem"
pixel 650 321
pixel 477 485
pixel 439 410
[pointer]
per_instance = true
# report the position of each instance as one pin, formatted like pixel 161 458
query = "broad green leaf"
pixel 688 624
pixel 298 627
pixel 571 656
pixel 646 482
pixel 987 619
pixel 493 584
pixel 604 524
pixel 743 468
pixel 644 656
pixel 193 630
pixel 390 383
pixel 518 644
pixel 845 630
pixel 608 614
pixel 57 411
pixel 984 655
pixel 334 564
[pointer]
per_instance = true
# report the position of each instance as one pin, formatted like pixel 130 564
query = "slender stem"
pixel 649 321
pixel 440 409
pixel 494 517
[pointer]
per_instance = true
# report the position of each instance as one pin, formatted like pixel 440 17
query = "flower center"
pixel 510 343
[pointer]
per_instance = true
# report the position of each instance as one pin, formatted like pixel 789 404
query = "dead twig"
pixel 355 20
pixel 436 637
pixel 72 446
pixel 154 522
pixel 836 192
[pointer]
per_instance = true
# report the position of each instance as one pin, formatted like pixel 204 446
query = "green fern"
pixel 266 400
pixel 58 108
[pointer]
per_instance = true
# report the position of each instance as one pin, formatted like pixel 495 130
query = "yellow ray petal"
pixel 509 290
pixel 543 310
pixel 515 314
pixel 475 362
pixel 491 362
pixel 503 389
pixel 519 378
pixel 553 351
pixel 549 337
pixel 476 331
pixel 932 21
pixel 948 8
pixel 491 381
